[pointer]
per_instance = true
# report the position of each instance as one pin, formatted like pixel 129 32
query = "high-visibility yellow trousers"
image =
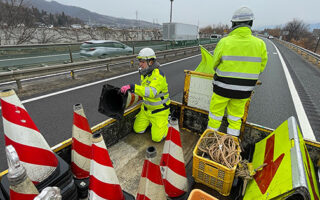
pixel 235 110
pixel 159 123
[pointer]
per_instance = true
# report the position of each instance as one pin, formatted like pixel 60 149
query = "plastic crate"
pixel 212 174
pixel 197 194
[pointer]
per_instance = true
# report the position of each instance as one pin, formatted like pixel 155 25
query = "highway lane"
pixel 271 105
pixel 10 62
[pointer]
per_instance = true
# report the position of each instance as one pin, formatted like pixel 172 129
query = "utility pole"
pixel 171 11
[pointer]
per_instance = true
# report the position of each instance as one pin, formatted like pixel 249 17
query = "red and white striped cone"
pixel 104 183
pixel 21 186
pixel 81 144
pixel 21 132
pixel 172 165
pixel 150 185
pixel 132 99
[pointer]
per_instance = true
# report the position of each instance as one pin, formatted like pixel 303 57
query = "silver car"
pixel 102 48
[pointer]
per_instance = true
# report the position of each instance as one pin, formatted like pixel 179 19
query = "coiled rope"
pixel 222 149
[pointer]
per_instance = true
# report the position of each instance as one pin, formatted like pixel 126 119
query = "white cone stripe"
pixel 24 135
pixel 38 172
pixel 13 99
pixel 80 161
pixel 103 173
pixel 101 145
pixel 94 196
pixel 81 135
pixel 151 190
pixel 175 179
pixel 174 150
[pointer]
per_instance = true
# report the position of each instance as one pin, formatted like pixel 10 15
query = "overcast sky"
pixel 204 12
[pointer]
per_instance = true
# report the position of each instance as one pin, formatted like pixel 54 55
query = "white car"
pixel 104 48
pixel 270 37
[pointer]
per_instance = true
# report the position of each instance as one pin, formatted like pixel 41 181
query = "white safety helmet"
pixel 146 54
pixel 242 14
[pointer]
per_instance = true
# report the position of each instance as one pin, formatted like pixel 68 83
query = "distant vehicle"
pixel 215 37
pixel 270 37
pixel 179 32
pixel 102 48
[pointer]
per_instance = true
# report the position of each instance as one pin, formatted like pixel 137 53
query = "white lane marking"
pixel 275 53
pixel 95 83
pixel 15 59
pixel 306 129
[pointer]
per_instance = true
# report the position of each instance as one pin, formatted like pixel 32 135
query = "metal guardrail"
pixel 309 55
pixel 18 75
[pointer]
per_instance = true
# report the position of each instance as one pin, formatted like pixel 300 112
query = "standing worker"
pixel 154 91
pixel 238 59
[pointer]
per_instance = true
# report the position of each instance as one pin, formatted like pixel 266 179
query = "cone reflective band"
pixel 81 144
pixel 21 186
pixel 104 183
pixel 49 193
pixel 132 99
pixel 150 185
pixel 21 132
pixel 172 165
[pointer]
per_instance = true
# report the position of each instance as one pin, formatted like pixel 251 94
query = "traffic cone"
pixel 21 132
pixel 132 99
pixel 104 183
pixel 113 103
pixel 81 144
pixel 21 186
pixel 150 185
pixel 172 165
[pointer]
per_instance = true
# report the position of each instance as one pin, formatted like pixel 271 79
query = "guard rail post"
pixel 72 74
pixel 108 68
pixel 132 48
pixel 19 85
pixel 70 53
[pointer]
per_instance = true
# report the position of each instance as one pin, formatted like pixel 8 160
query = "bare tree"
pixel 296 29
pixel 16 23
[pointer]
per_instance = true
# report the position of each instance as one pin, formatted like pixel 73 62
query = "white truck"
pixel 179 32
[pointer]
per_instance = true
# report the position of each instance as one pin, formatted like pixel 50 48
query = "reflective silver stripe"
pixel 233 87
pixel 147 91
pixel 161 95
pixel 237 74
pixel 234 132
pixel 209 127
pixel 233 118
pixel 241 58
pixel 156 103
pixel 212 116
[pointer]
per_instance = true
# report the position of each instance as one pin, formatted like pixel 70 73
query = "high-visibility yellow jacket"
pixel 239 59
pixel 154 90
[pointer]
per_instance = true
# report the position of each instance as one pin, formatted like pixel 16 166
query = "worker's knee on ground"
pixel 159 133
pixel 139 128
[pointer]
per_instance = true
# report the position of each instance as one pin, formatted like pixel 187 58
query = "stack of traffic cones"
pixel 104 183
pixel 150 185
pixel 21 132
pixel 172 165
pixel 81 144
pixel 21 186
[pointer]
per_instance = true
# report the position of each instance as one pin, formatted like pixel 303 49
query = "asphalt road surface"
pixel 272 102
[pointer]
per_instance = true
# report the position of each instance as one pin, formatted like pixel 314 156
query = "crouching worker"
pixel 154 91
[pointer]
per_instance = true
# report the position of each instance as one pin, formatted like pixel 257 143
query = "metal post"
pixel 70 53
pixel 315 49
pixel 171 11
pixel 132 47
pixel 108 69
pixel 18 81
pixel 72 74
pixel 131 62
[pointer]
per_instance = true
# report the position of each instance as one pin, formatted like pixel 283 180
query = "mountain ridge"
pixel 88 17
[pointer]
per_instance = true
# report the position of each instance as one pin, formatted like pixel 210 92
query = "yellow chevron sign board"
pixel 288 171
